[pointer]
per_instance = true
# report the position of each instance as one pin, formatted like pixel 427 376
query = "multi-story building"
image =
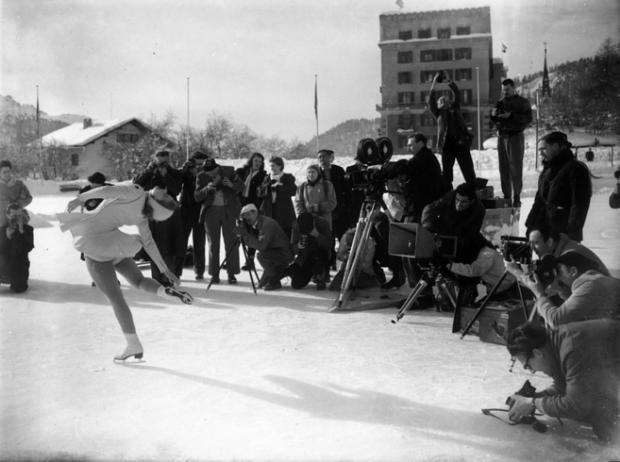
pixel 414 47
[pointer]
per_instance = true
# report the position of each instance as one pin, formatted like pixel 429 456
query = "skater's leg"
pixel 104 275
pixel 130 271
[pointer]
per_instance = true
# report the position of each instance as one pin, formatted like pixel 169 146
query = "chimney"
pixel 88 122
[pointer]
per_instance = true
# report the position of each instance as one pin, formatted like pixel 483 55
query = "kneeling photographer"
pixel 587 293
pixel 265 235
pixel 312 242
pixel 481 260
pixel 583 359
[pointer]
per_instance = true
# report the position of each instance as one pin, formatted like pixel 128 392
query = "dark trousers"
pixel 510 149
pixel 199 235
pixel 15 270
pixel 309 264
pixel 218 220
pixel 275 262
pixel 168 236
pixel 452 152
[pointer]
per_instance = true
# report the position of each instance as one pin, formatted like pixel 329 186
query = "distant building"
pixel 414 47
pixel 86 142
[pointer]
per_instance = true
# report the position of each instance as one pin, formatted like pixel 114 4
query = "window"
pixel 424 33
pixel 427 56
pixel 466 97
pixel 462 53
pixel 443 33
pixel 405 35
pixel 404 77
pixel 75 159
pixel 445 54
pixel 405 56
pixel 423 96
pixel 427 120
pixel 405 98
pixel 462 74
pixel 405 121
pixel 127 138
pixel 427 76
pixel 463 30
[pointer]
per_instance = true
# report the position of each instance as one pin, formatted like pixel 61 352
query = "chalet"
pixel 86 141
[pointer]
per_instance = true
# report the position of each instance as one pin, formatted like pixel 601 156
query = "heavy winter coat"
pixel 563 197
pixel 205 194
pixel 14 191
pixel 321 193
pixel 278 202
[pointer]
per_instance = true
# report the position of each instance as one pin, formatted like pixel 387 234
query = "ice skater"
pixel 108 250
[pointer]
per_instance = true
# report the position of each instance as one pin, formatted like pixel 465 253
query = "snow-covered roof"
pixel 76 135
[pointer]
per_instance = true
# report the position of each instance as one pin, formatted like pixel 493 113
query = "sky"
pixel 253 61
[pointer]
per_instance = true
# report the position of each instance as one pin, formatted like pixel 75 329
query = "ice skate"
pixel 185 297
pixel 129 353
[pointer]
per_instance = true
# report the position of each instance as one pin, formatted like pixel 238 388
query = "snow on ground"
pixel 267 377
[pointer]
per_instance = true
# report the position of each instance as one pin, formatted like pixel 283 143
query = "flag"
pixel 504 48
pixel 400 4
pixel 316 99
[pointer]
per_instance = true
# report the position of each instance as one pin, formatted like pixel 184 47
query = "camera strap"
pixel 536 424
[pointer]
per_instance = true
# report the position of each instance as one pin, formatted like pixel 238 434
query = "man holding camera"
pixel 167 235
pixel 583 359
pixel 265 235
pixel 453 138
pixel 511 115
pixel 312 244
pixel 336 174
pixel 564 190
pixel 587 293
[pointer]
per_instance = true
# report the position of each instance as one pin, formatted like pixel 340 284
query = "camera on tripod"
pixel 374 155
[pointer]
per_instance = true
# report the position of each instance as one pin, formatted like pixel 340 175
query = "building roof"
pixel 76 135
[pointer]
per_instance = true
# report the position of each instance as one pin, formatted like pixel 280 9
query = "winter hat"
pixel 248 208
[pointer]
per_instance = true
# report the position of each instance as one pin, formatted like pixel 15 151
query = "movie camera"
pixel 518 249
pixel 374 169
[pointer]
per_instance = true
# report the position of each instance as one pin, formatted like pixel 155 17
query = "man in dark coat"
pixel 274 250
pixel 16 240
pixel 278 202
pixel 312 245
pixel 190 211
pixel 336 174
pixel 583 359
pixel 166 233
pixel 564 190
pixel 453 138
pixel 425 185
pixel 511 115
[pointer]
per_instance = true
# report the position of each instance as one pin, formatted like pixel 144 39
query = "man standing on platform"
pixel 511 115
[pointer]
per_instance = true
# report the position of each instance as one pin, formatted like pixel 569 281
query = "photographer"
pixel 336 176
pixel 583 359
pixel 265 235
pixel 511 115
pixel 588 294
pixel 453 138
pixel 425 184
pixel 481 260
pixel 279 189
pixel 16 241
pixel 564 190
pixel 365 277
pixel 312 244
pixel 219 198
pixel 167 234
pixel 458 213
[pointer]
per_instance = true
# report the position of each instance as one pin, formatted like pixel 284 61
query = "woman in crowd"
pixel 12 191
pixel 316 195
pixel 252 174
pixel 279 189
pixel 108 250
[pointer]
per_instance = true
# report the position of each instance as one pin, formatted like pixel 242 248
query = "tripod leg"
pixel 483 305
pixel 523 305
pixel 250 267
pixel 411 298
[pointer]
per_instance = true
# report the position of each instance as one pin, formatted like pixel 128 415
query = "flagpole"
pixel 478 105
pixel 187 140
pixel 316 111
pixel 39 139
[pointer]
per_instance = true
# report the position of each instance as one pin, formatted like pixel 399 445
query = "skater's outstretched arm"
pixel 146 238
pixel 126 192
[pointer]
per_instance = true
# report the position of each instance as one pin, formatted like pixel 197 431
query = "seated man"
pixel 365 277
pixel 488 265
pixel 458 213
pixel 265 235
pixel 587 293
pixel 583 360
pixel 16 240
pixel 312 242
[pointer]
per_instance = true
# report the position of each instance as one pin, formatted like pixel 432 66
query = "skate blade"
pixel 128 361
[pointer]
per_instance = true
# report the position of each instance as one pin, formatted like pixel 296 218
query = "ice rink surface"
pixel 267 377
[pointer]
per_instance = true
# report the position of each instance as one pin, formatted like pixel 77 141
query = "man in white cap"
pixel 274 251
